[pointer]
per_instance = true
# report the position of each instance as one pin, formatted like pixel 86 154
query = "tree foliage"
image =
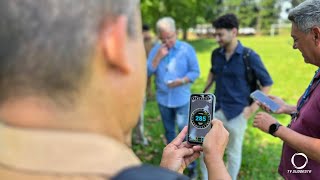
pixel 188 13
pixel 268 14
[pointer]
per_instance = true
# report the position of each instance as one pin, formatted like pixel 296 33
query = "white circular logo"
pixel 299 154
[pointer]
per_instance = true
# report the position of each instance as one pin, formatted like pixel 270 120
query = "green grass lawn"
pixel 261 152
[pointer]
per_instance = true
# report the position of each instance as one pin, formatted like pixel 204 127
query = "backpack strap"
pixel 249 71
pixel 251 77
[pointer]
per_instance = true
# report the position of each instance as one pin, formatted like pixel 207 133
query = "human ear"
pixel 113 40
pixel 316 35
pixel 235 31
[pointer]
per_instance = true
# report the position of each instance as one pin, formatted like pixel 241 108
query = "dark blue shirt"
pixel 232 89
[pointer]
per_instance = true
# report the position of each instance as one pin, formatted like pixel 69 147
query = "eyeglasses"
pixel 168 38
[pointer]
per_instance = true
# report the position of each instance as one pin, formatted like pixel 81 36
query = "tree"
pixel 268 14
pixel 248 13
pixel 151 11
pixel 186 13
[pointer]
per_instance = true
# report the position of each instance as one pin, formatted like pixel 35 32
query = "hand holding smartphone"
pixel 262 98
pixel 201 113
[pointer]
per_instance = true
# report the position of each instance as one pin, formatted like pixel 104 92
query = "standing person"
pixel 300 157
pixel 147 38
pixel 175 66
pixel 139 136
pixel 68 101
pixel 232 90
pixel 148 44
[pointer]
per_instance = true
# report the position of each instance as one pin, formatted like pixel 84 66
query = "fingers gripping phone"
pixel 261 97
pixel 201 112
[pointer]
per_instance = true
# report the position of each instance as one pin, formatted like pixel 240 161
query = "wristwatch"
pixel 183 81
pixel 273 128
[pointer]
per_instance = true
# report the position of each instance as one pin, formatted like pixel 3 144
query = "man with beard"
pixel 233 89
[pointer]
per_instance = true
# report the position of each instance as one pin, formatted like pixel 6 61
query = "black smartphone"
pixel 261 97
pixel 201 112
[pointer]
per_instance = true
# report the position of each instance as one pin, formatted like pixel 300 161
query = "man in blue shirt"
pixel 175 66
pixel 232 88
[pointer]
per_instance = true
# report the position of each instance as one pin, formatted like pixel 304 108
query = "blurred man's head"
pixel 72 58
pixel 305 30
pixel 226 27
pixel 166 30
pixel 146 33
pixel 145 28
pixel 147 38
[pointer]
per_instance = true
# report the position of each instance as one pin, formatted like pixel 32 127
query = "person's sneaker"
pixel 193 175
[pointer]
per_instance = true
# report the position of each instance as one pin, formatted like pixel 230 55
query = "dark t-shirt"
pixel 146 172
pixel 307 123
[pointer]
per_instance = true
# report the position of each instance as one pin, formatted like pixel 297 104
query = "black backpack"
pixel 251 77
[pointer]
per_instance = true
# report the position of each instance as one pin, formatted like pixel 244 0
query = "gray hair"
pixel 45 46
pixel 306 15
pixel 166 24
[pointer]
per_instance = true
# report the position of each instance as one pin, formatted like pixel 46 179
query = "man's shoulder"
pixel 184 44
pixel 156 45
pixel 249 51
pixel 215 52
pixel 148 172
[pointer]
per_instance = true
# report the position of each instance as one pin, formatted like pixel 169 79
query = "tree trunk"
pixel 185 34
pixel 259 23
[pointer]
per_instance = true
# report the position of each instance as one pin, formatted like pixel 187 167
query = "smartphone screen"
pixel 261 97
pixel 201 113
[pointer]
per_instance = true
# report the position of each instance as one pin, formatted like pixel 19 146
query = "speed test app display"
pixel 201 113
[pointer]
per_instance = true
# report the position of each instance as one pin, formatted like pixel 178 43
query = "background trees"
pixel 260 14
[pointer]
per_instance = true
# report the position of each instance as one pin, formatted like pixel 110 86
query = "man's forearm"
pixel 209 82
pixel 217 170
pixel 266 89
pixel 254 106
pixel 185 80
pixel 155 62
pixel 290 109
pixel 301 143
